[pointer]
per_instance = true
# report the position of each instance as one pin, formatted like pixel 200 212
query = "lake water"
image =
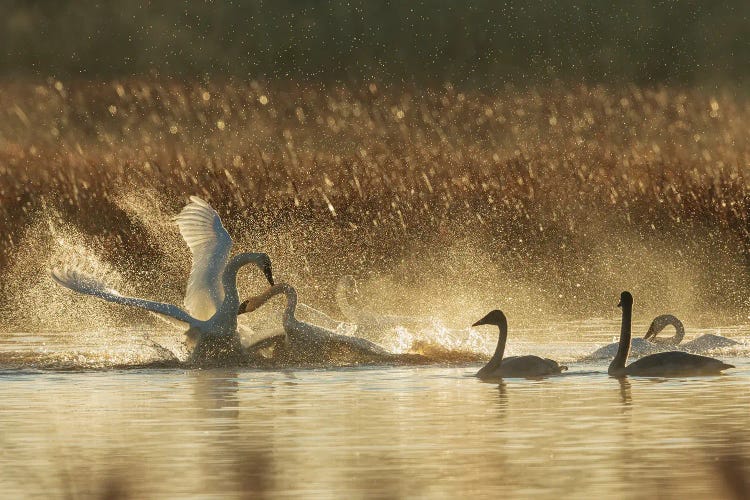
pixel 67 430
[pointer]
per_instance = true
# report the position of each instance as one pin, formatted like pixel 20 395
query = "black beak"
pixel 478 323
pixel 243 308
pixel 619 304
pixel 269 274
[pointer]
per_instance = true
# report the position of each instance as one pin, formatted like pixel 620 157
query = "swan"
pixel 708 342
pixel 211 297
pixel 514 366
pixel 663 364
pixel 703 343
pixel 308 343
pixel 649 344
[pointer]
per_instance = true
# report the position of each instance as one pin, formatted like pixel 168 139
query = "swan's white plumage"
pixel 211 292
pixel 210 245
pixel 87 284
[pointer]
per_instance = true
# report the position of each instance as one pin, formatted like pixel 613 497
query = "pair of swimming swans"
pixel 650 344
pixel 663 364
pixel 211 298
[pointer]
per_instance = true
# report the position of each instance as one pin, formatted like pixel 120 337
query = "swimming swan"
pixel 211 298
pixel 703 343
pixel 708 342
pixel 308 343
pixel 514 366
pixel 663 364
pixel 649 344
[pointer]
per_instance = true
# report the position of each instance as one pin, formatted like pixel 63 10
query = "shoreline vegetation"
pixel 567 194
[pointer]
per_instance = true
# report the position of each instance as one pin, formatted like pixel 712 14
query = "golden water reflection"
pixel 385 432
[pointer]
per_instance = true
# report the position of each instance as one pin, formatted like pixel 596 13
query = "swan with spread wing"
pixel 211 298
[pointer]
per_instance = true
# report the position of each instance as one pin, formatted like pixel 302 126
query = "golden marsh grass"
pixel 548 198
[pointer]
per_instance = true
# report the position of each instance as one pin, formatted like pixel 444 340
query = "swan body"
pixel 211 299
pixel 703 343
pixel 515 366
pixel 663 364
pixel 708 342
pixel 308 343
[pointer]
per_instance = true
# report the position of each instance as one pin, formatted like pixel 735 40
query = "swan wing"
pixel 210 244
pixel 88 285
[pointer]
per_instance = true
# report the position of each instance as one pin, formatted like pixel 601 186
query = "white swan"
pixel 211 297
pixel 649 344
pixel 707 342
pixel 308 343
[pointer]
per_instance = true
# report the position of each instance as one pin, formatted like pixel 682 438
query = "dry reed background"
pixel 544 200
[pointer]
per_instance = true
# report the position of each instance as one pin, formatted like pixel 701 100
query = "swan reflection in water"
pixel 625 391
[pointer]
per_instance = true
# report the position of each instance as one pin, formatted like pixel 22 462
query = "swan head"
pixel 264 263
pixel 255 302
pixel 626 300
pixel 249 305
pixel 495 317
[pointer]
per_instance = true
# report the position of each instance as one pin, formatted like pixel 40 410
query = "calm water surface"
pixel 367 432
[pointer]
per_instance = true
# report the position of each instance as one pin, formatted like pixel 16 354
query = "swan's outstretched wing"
pixel 83 283
pixel 210 245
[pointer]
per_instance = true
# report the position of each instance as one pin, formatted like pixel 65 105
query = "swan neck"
pixel 291 305
pixel 502 338
pixel 662 322
pixel 623 349
pixel 291 301
pixel 229 277
pixel 679 331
